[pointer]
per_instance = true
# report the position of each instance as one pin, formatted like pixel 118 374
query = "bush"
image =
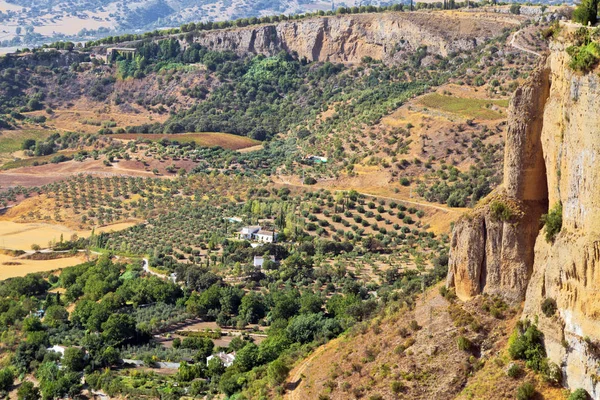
pixel 526 343
pixel 501 211
pixel 526 391
pixel 310 180
pixel 463 343
pixel 579 394
pixel 553 222
pixel 514 370
pixel 585 57
pixel 549 307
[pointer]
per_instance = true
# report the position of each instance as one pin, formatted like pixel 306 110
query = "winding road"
pixel 519 47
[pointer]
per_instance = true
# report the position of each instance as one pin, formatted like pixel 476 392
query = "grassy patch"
pixel 12 140
pixel 470 108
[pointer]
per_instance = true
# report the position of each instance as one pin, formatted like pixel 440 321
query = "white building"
pixel 57 349
pixel 257 234
pixel 248 232
pixel 266 236
pixel 226 359
pixel 260 260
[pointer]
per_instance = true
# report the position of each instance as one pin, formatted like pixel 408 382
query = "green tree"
pixel 74 359
pixel 277 372
pixel 118 329
pixel 56 316
pixel 247 358
pixel 28 391
pixel 586 12
pixel 7 378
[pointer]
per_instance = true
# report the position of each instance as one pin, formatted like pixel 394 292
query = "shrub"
pixel 585 57
pixel 579 394
pixel 526 391
pixel 553 222
pixel 397 387
pixel 310 180
pixel 501 211
pixel 463 343
pixel 526 343
pixel 514 370
pixel 549 307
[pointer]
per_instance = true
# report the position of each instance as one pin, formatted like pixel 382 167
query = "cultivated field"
pixel 205 139
pixel 17 236
pixel 11 267
pixel 466 107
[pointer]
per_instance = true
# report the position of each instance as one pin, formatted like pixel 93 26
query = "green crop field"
pixel 470 108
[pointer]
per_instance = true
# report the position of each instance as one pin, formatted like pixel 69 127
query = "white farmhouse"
pixel 226 359
pixel 266 236
pixel 248 232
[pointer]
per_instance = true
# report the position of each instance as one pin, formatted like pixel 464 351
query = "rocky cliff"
pixel 349 38
pixel 552 150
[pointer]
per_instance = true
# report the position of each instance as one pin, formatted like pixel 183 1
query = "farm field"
pixel 204 139
pixel 23 267
pixel 18 236
pixel 467 107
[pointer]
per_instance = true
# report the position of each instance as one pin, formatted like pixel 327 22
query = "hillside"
pixel 263 209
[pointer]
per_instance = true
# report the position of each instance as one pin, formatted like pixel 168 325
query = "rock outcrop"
pixel 567 270
pixel 492 247
pixel 349 38
pixel 552 155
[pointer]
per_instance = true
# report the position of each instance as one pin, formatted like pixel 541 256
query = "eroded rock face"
pixel 552 155
pixel 349 38
pixel 491 253
pixel 568 269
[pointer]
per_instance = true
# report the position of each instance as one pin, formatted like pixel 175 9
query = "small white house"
pixel 226 359
pixel 266 236
pixel 57 349
pixel 260 260
pixel 248 232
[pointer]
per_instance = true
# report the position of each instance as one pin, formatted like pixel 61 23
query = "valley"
pixel 335 205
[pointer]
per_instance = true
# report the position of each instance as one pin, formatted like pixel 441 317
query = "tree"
pixel 56 316
pixel 118 329
pixel 7 378
pixel 74 359
pixel 28 391
pixel 277 372
pixel 247 358
pixel 586 12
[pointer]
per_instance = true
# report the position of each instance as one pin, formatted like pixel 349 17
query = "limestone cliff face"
pixel 492 253
pixel 349 38
pixel 552 155
pixel 568 270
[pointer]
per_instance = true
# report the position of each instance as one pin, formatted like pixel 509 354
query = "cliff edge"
pixel 552 150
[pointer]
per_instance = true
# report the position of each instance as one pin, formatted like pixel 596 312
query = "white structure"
pixel 257 234
pixel 266 236
pixel 226 359
pixel 260 260
pixel 57 349
pixel 248 232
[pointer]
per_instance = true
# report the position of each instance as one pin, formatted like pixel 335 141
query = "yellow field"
pixel 30 266
pixel 16 236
